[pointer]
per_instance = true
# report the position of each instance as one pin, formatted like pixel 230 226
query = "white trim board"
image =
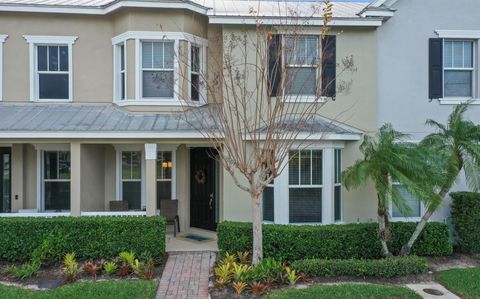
pixel 247 20
pixel 469 34
pixel 159 35
pixel 3 37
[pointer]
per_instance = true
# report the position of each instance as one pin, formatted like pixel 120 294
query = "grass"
pixel 463 282
pixel 114 289
pixel 345 291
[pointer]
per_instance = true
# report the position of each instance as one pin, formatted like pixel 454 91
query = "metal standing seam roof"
pixel 42 117
pixel 264 8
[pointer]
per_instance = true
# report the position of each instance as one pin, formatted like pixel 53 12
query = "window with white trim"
pixel 52 72
pixel 131 179
pixel 413 207
pixel 459 68
pixel 269 203
pixel 157 69
pixel 301 62
pixel 56 180
pixel 305 181
pixel 164 175
pixel 337 186
pixel 195 69
pixel 121 75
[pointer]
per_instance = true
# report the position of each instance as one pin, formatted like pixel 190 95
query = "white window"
pixel 56 180
pixel 3 37
pixel 131 179
pixel 121 75
pixel 158 69
pixel 50 67
pixel 305 181
pixel 412 209
pixel 165 166
pixel 337 185
pixel 458 63
pixel 301 61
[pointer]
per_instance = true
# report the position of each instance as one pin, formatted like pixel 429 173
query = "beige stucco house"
pixel 84 120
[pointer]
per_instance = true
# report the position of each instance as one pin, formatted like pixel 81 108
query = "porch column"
pixel 151 178
pixel 17 177
pixel 75 179
pixel 328 181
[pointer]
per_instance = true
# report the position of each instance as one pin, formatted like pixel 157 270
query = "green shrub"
pixel 24 271
pixel 386 268
pixel 88 237
pixel 294 242
pixel 466 220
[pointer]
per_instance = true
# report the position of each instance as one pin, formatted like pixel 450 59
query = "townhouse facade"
pixel 91 91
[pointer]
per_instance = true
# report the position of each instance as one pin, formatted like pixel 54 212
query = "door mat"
pixel 195 238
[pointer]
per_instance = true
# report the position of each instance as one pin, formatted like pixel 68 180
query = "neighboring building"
pixel 427 63
pixel 84 120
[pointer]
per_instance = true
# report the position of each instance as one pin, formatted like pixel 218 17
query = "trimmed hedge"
pixel 360 241
pixel 385 268
pixel 88 237
pixel 466 220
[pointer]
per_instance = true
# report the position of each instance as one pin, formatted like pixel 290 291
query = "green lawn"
pixel 463 282
pixel 88 290
pixel 345 291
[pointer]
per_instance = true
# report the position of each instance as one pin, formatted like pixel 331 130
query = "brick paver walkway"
pixel 186 275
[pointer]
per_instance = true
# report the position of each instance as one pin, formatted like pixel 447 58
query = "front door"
pixel 5 179
pixel 202 188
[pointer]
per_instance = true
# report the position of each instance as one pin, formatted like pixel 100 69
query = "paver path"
pixel 186 275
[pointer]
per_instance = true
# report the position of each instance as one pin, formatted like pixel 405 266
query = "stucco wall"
pixel 93 177
pixel 403 65
pixel 30 177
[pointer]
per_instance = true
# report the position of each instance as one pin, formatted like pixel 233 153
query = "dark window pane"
pixel 164 165
pixel 195 88
pixel 195 54
pixel 268 204
pixel 168 55
pixel 53 86
pixel 122 84
pixel 317 168
pixel 126 165
pixel 64 58
pixel 164 191
pixel 458 83
pixel 5 182
pixel 338 165
pixel 53 58
pixel 132 192
pixel 42 58
pixel 338 203
pixel 51 163
pixel 293 168
pixel 305 168
pixel 122 58
pixel 301 81
pixel 57 196
pixel 305 205
pixel 64 165
pixel 157 84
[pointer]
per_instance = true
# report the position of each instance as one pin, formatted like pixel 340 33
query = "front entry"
pixel 5 179
pixel 202 188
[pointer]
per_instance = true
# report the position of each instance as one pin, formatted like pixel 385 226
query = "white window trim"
pixel 119 148
pixel 3 37
pixel 472 35
pixel 33 41
pixel 117 86
pixel 405 219
pixel 149 36
pixel 41 148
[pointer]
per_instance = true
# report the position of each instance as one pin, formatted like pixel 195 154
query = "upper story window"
pixel 121 75
pixel 458 65
pixel 301 62
pixel 50 67
pixel 158 69
pixel 195 68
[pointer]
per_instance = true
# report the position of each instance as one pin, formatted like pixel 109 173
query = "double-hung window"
pixel 305 180
pixel 158 69
pixel 269 203
pixel 301 62
pixel 195 67
pixel 458 63
pixel 121 75
pixel 337 185
pixel 164 176
pixel 131 179
pixel 52 72
pixel 56 180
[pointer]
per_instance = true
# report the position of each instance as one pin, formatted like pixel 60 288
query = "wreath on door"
pixel 200 177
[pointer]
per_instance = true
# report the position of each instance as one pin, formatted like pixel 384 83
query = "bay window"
pixel 56 180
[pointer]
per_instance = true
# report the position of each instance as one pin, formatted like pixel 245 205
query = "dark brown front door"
pixel 202 188
pixel 5 179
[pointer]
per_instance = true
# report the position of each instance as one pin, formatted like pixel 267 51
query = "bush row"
pixel 385 268
pixel 88 237
pixel 466 220
pixel 360 241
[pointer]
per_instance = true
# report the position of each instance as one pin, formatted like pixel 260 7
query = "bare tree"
pixel 262 99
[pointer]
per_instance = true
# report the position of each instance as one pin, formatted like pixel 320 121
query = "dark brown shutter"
pixel 329 66
pixel 274 64
pixel 435 70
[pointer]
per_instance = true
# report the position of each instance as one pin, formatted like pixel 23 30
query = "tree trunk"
pixel 407 248
pixel 257 254
pixel 383 232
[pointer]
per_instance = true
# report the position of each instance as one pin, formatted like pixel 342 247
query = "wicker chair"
pixel 169 210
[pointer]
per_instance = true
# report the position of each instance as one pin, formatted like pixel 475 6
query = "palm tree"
pixel 457 147
pixel 388 158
